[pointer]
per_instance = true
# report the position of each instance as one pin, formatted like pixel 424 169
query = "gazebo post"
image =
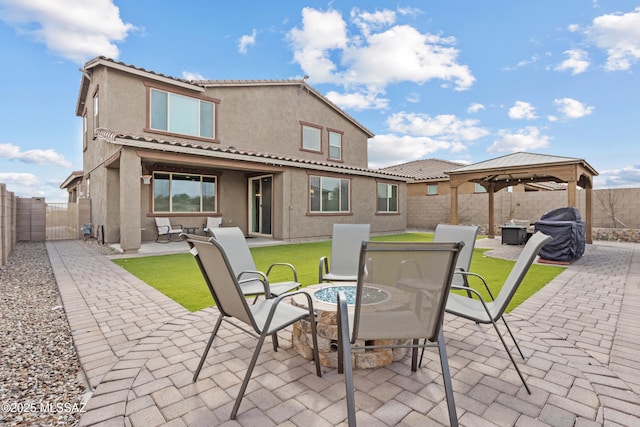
pixel 589 211
pixel 491 232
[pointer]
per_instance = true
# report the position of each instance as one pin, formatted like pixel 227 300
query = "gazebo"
pixel 517 168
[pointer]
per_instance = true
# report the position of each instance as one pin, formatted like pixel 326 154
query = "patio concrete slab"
pixel 139 349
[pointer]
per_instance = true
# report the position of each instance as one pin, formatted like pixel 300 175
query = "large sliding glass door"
pixel 260 204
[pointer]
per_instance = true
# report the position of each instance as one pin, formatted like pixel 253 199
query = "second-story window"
pixel 432 189
pixel 335 145
pixel 181 114
pixel 311 138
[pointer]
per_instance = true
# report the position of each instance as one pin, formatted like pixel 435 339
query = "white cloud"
pixel 373 52
pixel 20 178
pixel 522 110
pixel 245 41
pixel 577 61
pixel 572 109
pixel 391 149
pixel 628 176
pixel 444 127
pixel 525 139
pixel 40 157
pixel 619 36
pixel 321 33
pixel 73 29
pixel 475 107
pixel 189 75
pixel 358 101
pixel 416 136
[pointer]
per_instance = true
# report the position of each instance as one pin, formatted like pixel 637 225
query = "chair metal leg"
pixel 513 361
pixel 513 338
pixel 247 376
pixel 206 350
pixel 448 387
pixel 346 361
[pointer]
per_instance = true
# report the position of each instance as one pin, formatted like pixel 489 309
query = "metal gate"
pixel 62 221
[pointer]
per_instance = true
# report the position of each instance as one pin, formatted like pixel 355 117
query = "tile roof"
pixel 424 169
pixel 215 150
pixel 520 159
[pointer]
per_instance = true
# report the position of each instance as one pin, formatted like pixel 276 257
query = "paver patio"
pixel 139 349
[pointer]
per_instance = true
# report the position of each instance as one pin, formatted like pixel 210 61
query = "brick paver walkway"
pixel 139 349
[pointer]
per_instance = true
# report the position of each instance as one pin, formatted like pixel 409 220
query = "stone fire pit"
pixel 324 302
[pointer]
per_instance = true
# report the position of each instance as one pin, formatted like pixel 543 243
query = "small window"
pixel 311 138
pixel 432 189
pixel 335 145
pixel 96 103
pixel 387 197
pixel 181 114
pixel 480 188
pixel 177 193
pixel 329 194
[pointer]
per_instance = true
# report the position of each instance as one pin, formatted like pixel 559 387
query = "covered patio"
pixel 518 168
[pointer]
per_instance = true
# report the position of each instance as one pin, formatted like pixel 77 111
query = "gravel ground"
pixel 40 382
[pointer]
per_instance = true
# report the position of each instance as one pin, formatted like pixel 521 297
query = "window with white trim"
pixel 480 188
pixel 179 193
pixel 432 189
pixel 335 145
pixel 171 112
pixel 311 138
pixel 329 194
pixel 387 197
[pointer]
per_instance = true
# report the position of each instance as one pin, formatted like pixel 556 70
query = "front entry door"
pixel 260 204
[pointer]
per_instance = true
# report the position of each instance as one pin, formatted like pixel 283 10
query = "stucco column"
pixel 130 232
pixel 454 205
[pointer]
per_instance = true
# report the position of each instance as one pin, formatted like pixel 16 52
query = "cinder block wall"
pixel 425 212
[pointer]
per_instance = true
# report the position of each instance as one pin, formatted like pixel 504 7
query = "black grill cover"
pixel 567 230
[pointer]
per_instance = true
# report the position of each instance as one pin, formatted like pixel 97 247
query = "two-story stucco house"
pixel 275 158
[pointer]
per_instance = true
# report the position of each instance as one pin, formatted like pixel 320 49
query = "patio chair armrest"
pixel 484 282
pixel 324 262
pixel 470 290
pixel 476 293
pixel 284 264
pixel 263 278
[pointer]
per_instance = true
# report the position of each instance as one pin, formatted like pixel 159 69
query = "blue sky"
pixel 455 80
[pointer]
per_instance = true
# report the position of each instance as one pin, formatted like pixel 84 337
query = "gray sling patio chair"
pixel 458 233
pixel 486 312
pixel 264 318
pixel 412 314
pixel 345 250
pixel 235 246
pixel 212 223
pixel 166 231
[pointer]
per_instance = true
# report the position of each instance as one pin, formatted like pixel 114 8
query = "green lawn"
pixel 178 276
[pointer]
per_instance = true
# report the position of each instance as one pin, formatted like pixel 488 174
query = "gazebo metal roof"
pixel 517 168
